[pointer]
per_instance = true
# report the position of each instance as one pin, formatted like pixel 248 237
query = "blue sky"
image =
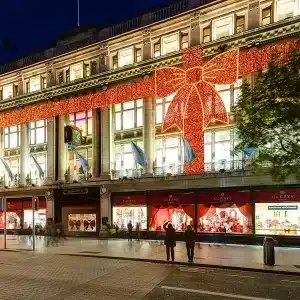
pixel 33 25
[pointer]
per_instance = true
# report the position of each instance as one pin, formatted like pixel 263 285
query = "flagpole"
pixel 78 13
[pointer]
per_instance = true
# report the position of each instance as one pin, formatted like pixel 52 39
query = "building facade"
pixel 167 77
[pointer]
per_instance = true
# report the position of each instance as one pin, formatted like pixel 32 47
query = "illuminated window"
pixel 138 54
pixel 126 57
pixel 129 115
pixel 75 164
pixel 240 24
pixel 60 77
pixel 286 9
pixel 208 151
pixel 237 91
pixel 68 75
pixel 14 165
pixel 12 137
pixel 38 132
pixel 87 70
pixel 115 61
pixel 34 171
pixel 184 41
pixel 82 120
pixel 222 27
pixel 1 94
pixel 162 106
pixel 225 93
pixel 8 91
pixel 206 34
pixel 94 67
pixel 35 83
pixel 16 90
pixel 267 16
pixel 157 49
pixel 76 72
pixel 44 82
pixel 222 152
pixel 170 43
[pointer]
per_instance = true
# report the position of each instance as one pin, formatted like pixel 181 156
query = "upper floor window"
pixel 286 9
pixel 75 164
pixel 162 106
pixel 82 120
pixel 94 67
pixel 129 115
pixel 157 49
pixel 44 82
pixel 267 15
pixel 12 137
pixel 34 172
pixel 138 54
pixel 60 77
pixel 184 40
pixel 115 61
pixel 8 91
pixel 1 94
pixel 240 24
pixel 87 69
pixel 38 132
pixel 76 72
pixel 170 43
pixel 35 83
pixel 206 34
pixel 222 27
pixel 126 57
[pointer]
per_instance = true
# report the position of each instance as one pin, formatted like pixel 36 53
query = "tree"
pixel 268 118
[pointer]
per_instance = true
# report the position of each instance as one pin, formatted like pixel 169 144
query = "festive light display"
pixel 195 105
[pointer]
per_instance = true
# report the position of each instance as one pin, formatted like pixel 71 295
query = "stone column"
pixel 25 165
pixel 105 143
pixel 105 210
pixel 96 143
pixel 149 133
pixel 1 142
pixel 195 29
pixel 51 148
pixel 253 14
pixel 147 44
pixel 62 148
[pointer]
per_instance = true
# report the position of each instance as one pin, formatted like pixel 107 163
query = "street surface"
pixel 26 275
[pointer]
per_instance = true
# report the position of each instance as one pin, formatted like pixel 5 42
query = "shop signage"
pixel 128 200
pixel 224 197
pixel 14 204
pixel 283 207
pixel 75 191
pixel 277 196
pixel 170 198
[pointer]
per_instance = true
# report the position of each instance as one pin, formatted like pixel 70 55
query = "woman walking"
pixel 190 237
pixel 170 240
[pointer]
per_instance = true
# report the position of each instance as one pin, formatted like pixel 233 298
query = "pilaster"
pixel 62 148
pixel 51 148
pixel 105 143
pixel 25 166
pixel 96 143
pixel 147 44
pixel 195 29
pixel 253 14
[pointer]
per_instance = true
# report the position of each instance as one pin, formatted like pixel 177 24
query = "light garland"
pixel 195 105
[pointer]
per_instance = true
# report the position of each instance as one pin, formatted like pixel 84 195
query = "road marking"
pixel 213 293
pixel 242 276
pixel 291 281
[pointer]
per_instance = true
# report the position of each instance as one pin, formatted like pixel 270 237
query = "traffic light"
pixel 36 203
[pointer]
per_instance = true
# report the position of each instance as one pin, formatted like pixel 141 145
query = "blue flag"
pixel 189 154
pixel 248 151
pixel 8 170
pixel 139 155
pixel 38 166
pixel 83 161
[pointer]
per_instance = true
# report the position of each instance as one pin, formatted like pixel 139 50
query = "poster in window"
pixel 82 222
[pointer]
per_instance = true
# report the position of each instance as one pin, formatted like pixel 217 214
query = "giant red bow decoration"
pixel 196 103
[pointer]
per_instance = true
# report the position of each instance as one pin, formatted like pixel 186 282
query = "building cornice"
pixel 252 38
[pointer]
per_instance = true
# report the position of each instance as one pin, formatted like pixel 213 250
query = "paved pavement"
pixel 241 256
pixel 30 275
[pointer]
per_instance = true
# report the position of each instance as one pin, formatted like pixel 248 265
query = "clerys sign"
pixel 73 135
pixel 266 196
pixel 283 207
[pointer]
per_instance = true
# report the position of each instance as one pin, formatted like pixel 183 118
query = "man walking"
pixel 170 240
pixel 129 229
pixel 190 237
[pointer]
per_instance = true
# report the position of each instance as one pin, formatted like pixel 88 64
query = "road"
pixel 27 275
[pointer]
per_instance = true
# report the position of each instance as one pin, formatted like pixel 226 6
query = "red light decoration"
pixel 195 105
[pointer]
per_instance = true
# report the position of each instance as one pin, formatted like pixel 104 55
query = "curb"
pixel 279 272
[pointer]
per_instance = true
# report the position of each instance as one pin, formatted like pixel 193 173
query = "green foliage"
pixel 268 118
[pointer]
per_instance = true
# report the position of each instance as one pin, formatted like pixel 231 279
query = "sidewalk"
pixel 232 256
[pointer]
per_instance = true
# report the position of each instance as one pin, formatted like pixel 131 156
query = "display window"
pixel 177 208
pixel 129 208
pixel 277 212
pixel 82 222
pixel 39 218
pixel 225 212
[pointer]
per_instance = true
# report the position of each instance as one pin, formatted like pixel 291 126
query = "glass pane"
pixel 80 115
pixel 159 101
pixel 127 148
pixel 82 125
pixel 76 71
pixel 159 158
pixel 118 121
pixel 223 135
pixel 32 124
pixel 128 119
pixel 223 27
pixel 222 151
pixel 172 156
pixel 40 135
pixel 90 126
pixel 118 161
pixel 170 43
pixel 221 87
pixel 139 103
pixel 207 153
pixel 71 117
pixel 285 9
pixel 236 95
pixel 128 162
pixel 159 113
pixel 170 97
pixel 128 105
pixel 125 57
pixel 225 95
pixel 40 123
pixel 172 142
pixel 13 128
pixel 166 108
pixel 207 137
pixel 13 139
pixel 32 137
pixel 6 144
pixel 35 84
pixel 139 120
pixel 117 107
pixel 159 143
pixel 118 148
pixel 90 113
pixel 6 130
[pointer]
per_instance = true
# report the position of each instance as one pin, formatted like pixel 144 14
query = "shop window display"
pixel 136 214
pixel 180 216
pixel 39 218
pixel 225 218
pixel 82 222
pixel 277 218
pixel 13 220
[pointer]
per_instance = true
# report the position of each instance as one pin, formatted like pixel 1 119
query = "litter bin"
pixel 269 251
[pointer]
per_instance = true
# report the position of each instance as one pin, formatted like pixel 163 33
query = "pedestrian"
pixel 129 229
pixel 138 231
pixel 190 237
pixel 170 240
pixel 108 228
pixel 117 230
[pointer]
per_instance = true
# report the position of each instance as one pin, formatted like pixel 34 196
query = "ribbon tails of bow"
pixel 196 103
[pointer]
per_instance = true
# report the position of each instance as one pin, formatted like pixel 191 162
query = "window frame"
pixel 9 133
pixel 35 128
pixel 182 42
pixel 11 85
pixel 131 50
pixel 86 119
pixel 157 53
pixel 72 74
pixel 163 52
pixel 240 17
pixel 31 84
pixel 214 31
pixel 209 27
pixel 295 12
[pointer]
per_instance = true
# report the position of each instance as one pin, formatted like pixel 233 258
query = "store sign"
pixel 128 200
pixel 169 198
pixel 75 191
pixel 283 207
pixel 224 197
pixel 274 196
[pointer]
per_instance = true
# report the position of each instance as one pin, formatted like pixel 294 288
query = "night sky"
pixel 34 25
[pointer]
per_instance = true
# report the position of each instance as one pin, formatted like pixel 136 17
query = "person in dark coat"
pixel 190 237
pixel 170 240
pixel 129 229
